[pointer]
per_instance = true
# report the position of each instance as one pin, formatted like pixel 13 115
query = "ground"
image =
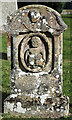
pixel 67 60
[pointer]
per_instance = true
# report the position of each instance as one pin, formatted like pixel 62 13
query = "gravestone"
pixel 36 63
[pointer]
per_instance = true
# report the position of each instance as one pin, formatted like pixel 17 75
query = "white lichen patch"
pixel 28 109
pixel 53 104
pixel 47 109
pixel 57 76
pixel 32 23
pixel 32 55
pixel 38 110
pixel 57 109
pixel 40 73
pixel 51 30
pixel 46 89
pixel 38 15
pixel 57 91
pixel 43 97
pixel 24 8
pixel 21 73
pixel 41 60
pixel 48 92
pixel 9 105
pixel 19 108
pixel 33 112
pixel 12 80
pixel 62 110
pixel 31 95
pixel 53 89
pixel 19 20
pixel 15 90
pixel 38 81
pixel 51 18
pixel 38 24
pixel 32 13
pixel 18 13
pixel 60 87
pixel 32 62
pixel 10 17
pixel 13 95
pixel 19 90
pixel 44 21
pixel 26 11
pixel 19 93
pixel 38 29
pixel 35 16
pixel 62 107
pixel 23 14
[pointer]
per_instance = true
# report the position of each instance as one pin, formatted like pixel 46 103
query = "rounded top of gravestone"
pixel 35 18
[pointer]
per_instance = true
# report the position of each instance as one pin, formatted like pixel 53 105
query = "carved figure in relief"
pixel 35 56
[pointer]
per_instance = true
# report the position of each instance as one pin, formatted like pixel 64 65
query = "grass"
pixel 67 60
pixel 5 68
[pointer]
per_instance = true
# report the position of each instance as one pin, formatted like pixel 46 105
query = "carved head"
pixel 35 41
pixel 35 15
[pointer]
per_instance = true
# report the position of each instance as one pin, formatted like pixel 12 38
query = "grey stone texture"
pixel 36 75
pixel 6 8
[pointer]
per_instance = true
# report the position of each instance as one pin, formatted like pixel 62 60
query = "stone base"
pixel 38 107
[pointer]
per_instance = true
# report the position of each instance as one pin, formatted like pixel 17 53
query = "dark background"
pixel 59 6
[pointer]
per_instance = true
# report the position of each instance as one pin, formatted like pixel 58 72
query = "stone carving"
pixel 34 16
pixel 36 57
pixel 35 52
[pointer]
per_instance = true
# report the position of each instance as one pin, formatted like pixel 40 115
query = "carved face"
pixel 35 15
pixel 35 41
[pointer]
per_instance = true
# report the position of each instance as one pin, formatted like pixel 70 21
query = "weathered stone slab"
pixel 40 107
pixel 36 18
pixel 36 55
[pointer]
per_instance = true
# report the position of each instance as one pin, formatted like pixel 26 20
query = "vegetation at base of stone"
pixel 20 118
pixel 67 66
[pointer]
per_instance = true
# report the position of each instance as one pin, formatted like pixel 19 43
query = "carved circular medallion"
pixel 35 52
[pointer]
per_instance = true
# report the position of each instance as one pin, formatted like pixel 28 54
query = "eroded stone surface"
pixel 36 18
pixel 35 106
pixel 36 57
pixel 35 53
